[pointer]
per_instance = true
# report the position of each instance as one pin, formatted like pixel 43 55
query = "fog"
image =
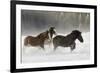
pixel 33 54
pixel 35 21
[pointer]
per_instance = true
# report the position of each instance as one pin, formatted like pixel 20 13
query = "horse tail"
pixel 26 41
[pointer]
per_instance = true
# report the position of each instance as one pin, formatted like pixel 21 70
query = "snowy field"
pixel 36 54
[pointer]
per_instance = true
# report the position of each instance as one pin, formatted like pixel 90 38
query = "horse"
pixel 38 40
pixel 68 40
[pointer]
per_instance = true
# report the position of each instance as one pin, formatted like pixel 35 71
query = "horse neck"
pixel 72 36
pixel 42 38
pixel 38 35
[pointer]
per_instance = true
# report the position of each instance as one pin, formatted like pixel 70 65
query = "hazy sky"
pixel 33 21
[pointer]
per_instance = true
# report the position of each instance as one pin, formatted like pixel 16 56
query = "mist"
pixel 35 21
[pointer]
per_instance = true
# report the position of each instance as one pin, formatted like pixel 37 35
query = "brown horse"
pixel 38 40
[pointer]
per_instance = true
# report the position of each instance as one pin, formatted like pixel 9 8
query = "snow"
pixel 36 54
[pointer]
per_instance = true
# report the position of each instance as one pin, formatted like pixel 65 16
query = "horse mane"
pixel 41 34
pixel 73 34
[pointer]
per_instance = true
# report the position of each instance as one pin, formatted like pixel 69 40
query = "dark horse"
pixel 38 40
pixel 67 41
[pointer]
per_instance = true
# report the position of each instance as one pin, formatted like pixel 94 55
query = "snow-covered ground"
pixel 36 54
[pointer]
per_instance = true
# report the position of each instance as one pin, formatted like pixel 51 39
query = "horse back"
pixel 58 39
pixel 62 40
pixel 31 40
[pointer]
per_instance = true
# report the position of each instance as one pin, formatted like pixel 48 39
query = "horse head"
pixel 78 35
pixel 52 32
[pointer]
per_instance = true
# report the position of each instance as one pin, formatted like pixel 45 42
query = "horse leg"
pixel 42 46
pixel 55 47
pixel 73 46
